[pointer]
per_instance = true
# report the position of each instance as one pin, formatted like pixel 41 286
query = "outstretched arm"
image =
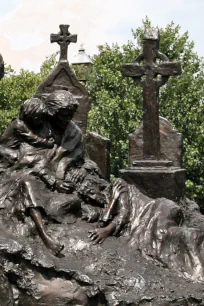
pixel 23 132
pixel 120 206
pixel 123 213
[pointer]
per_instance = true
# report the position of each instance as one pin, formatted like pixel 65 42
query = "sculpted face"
pixel 63 117
pixel 61 107
pixel 37 120
pixel 33 112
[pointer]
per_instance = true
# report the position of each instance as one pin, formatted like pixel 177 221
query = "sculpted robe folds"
pixel 157 229
pixel 48 165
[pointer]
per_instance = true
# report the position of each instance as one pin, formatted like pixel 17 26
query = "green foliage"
pixel 16 88
pixel 49 64
pixel 81 71
pixel 117 102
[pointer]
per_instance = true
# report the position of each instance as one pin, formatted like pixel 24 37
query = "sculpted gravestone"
pixel 63 77
pixel 98 149
pixel 69 237
pixel 170 144
pixel 152 173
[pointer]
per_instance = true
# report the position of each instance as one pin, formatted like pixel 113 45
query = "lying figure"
pixel 153 226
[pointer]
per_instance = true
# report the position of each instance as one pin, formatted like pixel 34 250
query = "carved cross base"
pixel 157 182
pixel 152 163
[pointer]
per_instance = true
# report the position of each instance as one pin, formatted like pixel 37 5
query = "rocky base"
pixel 91 275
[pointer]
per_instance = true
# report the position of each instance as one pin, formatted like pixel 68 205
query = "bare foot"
pixel 54 246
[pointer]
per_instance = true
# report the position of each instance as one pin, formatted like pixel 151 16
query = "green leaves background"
pixel 116 109
pixel 117 102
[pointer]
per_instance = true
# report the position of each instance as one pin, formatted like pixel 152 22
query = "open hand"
pixel 78 175
pixel 118 187
pixel 64 187
pixel 99 235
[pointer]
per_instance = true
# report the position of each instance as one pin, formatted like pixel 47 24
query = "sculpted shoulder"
pixel 72 129
pixel 72 135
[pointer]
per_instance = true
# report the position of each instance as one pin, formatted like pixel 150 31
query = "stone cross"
pixel 151 76
pixel 63 38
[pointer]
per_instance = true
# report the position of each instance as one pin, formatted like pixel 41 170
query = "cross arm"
pixel 133 70
pixel 57 37
pixel 169 68
pixel 54 38
pixel 165 69
pixel 72 38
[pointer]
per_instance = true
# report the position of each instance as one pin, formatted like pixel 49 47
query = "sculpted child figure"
pixel 28 129
pixel 23 146
pixel 44 158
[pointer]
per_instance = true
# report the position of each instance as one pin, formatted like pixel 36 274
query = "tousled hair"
pixel 32 107
pixel 61 99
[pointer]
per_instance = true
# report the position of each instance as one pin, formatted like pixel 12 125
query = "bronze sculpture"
pixel 52 165
pixel 51 193
pixel 42 160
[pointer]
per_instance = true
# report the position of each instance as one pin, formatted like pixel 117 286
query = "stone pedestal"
pixel 157 178
pixel 157 181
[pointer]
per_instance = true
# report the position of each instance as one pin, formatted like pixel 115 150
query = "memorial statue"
pixel 48 173
pixel 46 176
pixel 43 157
pixel 69 237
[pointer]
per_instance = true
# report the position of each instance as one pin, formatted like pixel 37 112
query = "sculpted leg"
pixel 35 214
pixel 50 243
